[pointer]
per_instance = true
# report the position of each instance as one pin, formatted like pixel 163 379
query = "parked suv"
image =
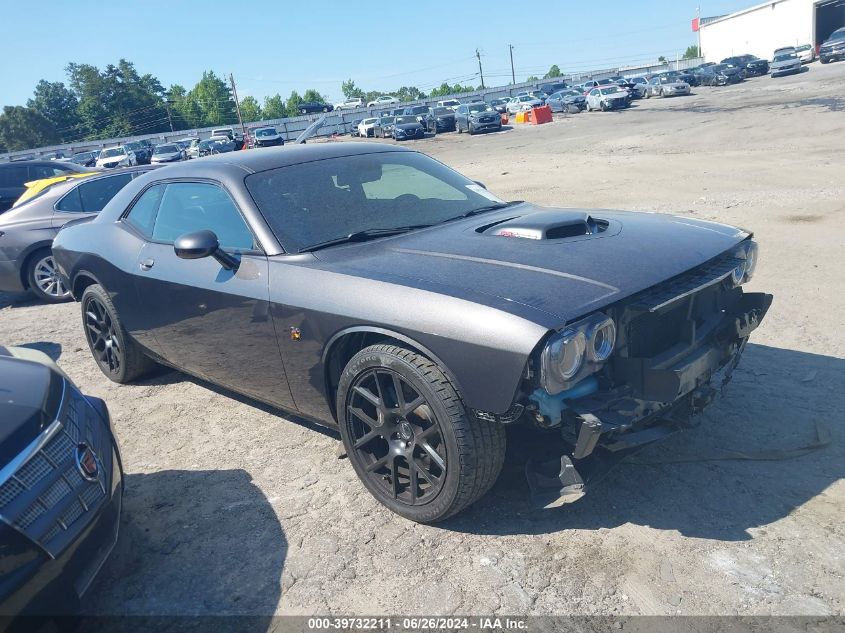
pixel 14 175
pixel 350 104
pixel 424 116
pixel 833 47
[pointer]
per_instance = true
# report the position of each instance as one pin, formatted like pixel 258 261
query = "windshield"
pixel 267 131
pixel 166 149
pixel 785 57
pixel 805 47
pixel 450 102
pixel 408 118
pixel 206 144
pixel 442 111
pixel 480 107
pixel 133 146
pixel 311 203
pixel 417 110
pixel 114 151
pixel 610 91
pixel 386 120
pixel 604 82
pixel 837 35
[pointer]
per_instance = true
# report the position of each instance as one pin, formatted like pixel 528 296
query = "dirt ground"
pixel 232 508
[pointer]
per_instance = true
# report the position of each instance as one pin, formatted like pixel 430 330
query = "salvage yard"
pixel 231 508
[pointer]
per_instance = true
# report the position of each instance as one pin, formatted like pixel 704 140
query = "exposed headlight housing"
pixel 578 350
pixel 746 254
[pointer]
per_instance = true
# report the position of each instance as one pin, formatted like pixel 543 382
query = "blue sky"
pixel 381 45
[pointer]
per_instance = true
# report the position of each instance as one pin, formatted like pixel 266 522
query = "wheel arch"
pixel 343 345
pixel 26 259
pixel 81 281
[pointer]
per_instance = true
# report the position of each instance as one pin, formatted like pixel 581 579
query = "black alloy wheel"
pixel 409 437
pixel 116 354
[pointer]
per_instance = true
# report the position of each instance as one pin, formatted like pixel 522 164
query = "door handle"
pixel 147 264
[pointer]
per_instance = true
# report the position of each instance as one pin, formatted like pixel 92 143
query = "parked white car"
pixel 367 127
pixel 350 104
pixel 521 103
pixel 452 104
pixel 116 157
pixel 383 100
pixel 806 53
pixel 607 98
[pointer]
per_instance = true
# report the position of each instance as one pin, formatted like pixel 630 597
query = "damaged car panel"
pixel 375 289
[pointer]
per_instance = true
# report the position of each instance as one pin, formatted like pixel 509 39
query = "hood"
pixel 785 63
pixel 407 126
pixel 31 390
pixel 111 160
pixel 491 259
pixel 166 157
pixel 676 84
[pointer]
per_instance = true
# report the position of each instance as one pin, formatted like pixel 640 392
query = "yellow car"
pixel 34 188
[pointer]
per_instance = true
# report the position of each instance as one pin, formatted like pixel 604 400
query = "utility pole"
pixel 169 119
pixel 698 15
pixel 237 105
pixel 513 74
pixel 480 72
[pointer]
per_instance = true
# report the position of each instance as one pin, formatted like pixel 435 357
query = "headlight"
pixel 562 359
pixel 577 351
pixel 601 337
pixel 747 254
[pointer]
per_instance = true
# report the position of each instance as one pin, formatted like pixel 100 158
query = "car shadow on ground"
pixel 17 300
pixel 778 400
pixel 192 543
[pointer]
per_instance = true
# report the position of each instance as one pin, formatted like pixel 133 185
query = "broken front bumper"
pixel 660 394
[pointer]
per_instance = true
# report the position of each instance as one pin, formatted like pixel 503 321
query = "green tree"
pixel 661 59
pixel 185 111
pixel 312 96
pixel 533 78
pixel 350 90
pixel 409 93
pixel 57 104
pixel 25 128
pixel 214 98
pixel 292 104
pixel 553 73
pixel 117 101
pixel 274 107
pixel 250 109
pixel 691 52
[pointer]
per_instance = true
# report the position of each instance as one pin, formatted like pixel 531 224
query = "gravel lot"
pixel 234 508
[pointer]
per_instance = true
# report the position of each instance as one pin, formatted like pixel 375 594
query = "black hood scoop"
pixel 547 225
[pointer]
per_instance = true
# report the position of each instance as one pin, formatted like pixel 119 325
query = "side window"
pixel 143 213
pixel 96 194
pixel 594 92
pixel 13 176
pixel 71 203
pixel 191 206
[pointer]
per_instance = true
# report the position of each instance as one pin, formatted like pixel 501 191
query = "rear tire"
pixel 43 280
pixel 397 408
pixel 119 357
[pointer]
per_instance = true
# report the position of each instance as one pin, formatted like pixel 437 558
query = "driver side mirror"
pixel 480 184
pixel 200 244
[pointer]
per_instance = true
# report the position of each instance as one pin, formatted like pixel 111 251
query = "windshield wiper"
pixel 490 207
pixel 362 236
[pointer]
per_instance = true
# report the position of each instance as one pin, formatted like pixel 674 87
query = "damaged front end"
pixel 637 371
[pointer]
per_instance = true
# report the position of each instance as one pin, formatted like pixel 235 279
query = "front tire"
pixel 410 438
pixel 118 356
pixel 43 279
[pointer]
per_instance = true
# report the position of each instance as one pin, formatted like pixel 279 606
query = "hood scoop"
pixel 547 225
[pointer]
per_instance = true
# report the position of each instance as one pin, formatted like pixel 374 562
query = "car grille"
pixel 47 498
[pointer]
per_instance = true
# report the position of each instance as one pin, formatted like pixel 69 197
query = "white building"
pixel 760 29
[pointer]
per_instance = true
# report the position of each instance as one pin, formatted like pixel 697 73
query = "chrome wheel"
pixel 46 279
pixel 102 336
pixel 395 437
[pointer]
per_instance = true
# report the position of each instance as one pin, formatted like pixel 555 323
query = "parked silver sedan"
pixel 607 98
pixel 662 86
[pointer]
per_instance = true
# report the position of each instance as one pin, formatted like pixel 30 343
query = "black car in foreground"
pixel 833 47
pixel 372 288
pixel 61 488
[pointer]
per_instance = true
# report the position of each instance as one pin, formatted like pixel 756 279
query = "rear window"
pixel 13 176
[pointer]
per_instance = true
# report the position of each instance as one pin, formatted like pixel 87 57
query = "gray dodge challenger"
pixel 373 289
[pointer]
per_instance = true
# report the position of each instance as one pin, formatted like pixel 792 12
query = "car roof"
pixel 255 161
